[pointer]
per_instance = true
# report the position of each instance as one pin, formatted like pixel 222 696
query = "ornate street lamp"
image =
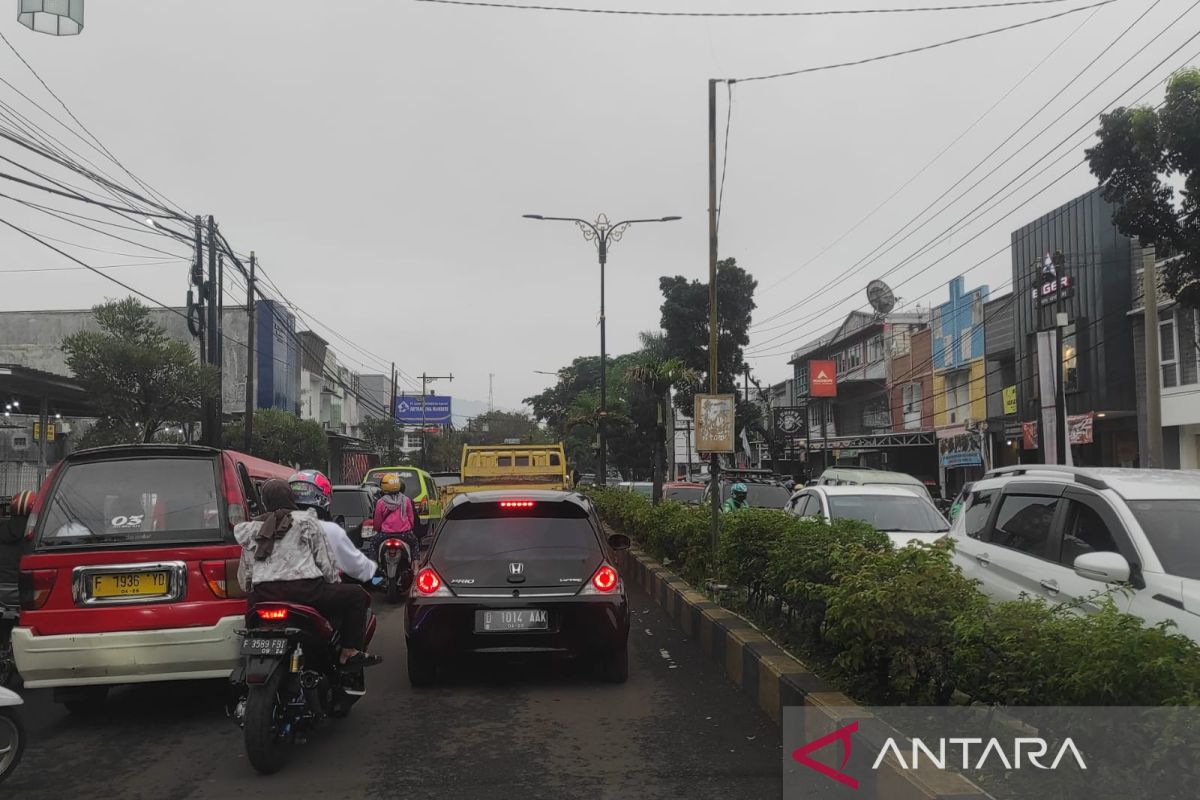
pixel 53 17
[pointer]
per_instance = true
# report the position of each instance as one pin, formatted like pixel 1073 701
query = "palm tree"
pixel 656 374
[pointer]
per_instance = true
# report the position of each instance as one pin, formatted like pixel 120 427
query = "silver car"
pixel 895 510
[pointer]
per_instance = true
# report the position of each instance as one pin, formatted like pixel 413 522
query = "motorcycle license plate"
pixel 515 619
pixel 264 646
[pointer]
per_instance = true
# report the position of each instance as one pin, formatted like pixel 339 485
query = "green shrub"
pixel 748 542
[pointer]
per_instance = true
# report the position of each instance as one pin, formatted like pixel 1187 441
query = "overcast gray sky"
pixel 378 157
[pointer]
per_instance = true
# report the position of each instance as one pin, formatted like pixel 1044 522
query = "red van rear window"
pixel 144 501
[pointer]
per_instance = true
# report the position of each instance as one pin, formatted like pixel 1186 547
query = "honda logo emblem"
pixel 516 568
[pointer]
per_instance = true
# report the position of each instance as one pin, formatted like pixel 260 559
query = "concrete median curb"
pixel 775 679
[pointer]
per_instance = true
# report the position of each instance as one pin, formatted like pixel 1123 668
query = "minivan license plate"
pixel 512 619
pixel 130 584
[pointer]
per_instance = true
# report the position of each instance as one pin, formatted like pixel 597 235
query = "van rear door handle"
pixel 983 559
pixel 1050 586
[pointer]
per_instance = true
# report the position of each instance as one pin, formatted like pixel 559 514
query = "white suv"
pixel 1064 533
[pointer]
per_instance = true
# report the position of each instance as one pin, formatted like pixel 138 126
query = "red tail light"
pixel 516 504
pixel 35 586
pixel 428 581
pixel 368 530
pixel 214 575
pixel 272 614
pixel 394 544
pixel 605 579
pixel 422 507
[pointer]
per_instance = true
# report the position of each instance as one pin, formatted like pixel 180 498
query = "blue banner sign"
pixel 432 410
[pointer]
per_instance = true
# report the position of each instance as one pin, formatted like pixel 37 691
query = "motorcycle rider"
pixel 286 557
pixel 12 532
pixel 737 498
pixel 395 515
pixel 311 489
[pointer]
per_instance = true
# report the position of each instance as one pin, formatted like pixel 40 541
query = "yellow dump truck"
pixel 511 466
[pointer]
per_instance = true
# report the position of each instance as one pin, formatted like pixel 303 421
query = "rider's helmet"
pixel 21 505
pixel 390 483
pixel 739 491
pixel 311 489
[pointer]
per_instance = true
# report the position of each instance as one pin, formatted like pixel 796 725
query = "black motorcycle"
pixel 290 680
pixel 394 557
pixel 8 620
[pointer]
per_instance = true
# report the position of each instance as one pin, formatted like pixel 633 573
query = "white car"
pixel 895 510
pixel 1063 533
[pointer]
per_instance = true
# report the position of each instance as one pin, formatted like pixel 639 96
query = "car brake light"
pixel 214 573
pixel 368 529
pixel 516 504
pixel 428 581
pixel 35 586
pixel 272 614
pixel 605 579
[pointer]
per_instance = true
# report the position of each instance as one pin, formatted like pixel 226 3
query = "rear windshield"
pixel 888 513
pixel 1171 527
pixel 546 531
pixel 761 495
pixel 352 504
pixel 134 501
pixel 412 481
pixel 685 494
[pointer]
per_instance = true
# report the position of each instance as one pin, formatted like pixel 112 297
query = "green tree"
pixel 496 426
pixel 383 436
pixel 139 378
pixel 283 438
pixel 685 315
pixel 656 376
pixel 1142 153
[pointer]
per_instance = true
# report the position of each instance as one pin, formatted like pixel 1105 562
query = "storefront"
pixel 960 458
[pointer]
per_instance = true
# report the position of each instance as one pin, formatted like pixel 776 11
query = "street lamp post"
pixel 603 233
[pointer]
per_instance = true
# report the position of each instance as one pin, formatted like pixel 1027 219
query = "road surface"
pixel 677 729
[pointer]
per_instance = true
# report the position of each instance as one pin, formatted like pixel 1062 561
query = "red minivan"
pixel 130 568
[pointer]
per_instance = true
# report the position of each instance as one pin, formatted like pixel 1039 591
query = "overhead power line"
pixel 922 48
pixel 835 12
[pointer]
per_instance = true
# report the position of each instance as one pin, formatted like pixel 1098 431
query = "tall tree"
pixel 656 376
pixel 685 315
pixel 284 438
pixel 1142 154
pixel 139 378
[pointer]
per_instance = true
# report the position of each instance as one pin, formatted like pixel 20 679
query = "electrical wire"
pixel 740 14
pixel 13 270
pixel 922 48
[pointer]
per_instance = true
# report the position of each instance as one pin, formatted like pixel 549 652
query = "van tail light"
pixel 31 526
pixel 429 584
pixel 221 577
pixel 368 530
pixel 422 506
pixel 35 586
pixel 237 514
pixel 271 613
pixel 605 580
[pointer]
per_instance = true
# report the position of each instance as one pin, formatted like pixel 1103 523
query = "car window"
pixel 351 504
pixel 692 495
pixel 522 461
pixel 760 495
pixel 1173 532
pixel 1024 521
pixel 979 509
pixel 905 514
pixel 1086 532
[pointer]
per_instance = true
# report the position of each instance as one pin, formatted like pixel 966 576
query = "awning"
pixel 28 387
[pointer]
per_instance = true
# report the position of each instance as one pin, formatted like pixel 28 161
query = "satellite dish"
pixel 880 296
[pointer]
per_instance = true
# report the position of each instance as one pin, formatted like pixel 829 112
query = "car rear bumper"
pixel 577 625
pixel 127 656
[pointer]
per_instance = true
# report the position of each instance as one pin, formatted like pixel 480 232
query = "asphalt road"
pixel 677 729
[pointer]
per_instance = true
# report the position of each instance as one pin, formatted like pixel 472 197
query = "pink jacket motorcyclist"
pixel 394 513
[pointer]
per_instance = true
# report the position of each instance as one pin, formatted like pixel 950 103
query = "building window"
pixel 901 340
pixel 875 349
pixel 958 396
pixel 1168 350
pixel 910 396
pixel 802 379
pixel 1070 359
pixel 854 356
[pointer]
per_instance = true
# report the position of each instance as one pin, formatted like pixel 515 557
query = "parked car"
pixel 355 505
pixel 420 487
pixel 130 573
pixel 848 476
pixel 762 489
pixel 894 510
pixel 686 492
pixel 644 488
pixel 1062 533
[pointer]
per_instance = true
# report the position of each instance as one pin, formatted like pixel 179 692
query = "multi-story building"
pixel 959 385
pixel 1003 439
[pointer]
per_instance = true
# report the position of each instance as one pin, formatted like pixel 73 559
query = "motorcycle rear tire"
pixel 11 719
pixel 267 751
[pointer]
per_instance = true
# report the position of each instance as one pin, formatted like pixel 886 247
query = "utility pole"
pixel 714 467
pixel 392 419
pixel 1154 437
pixel 220 348
pixel 491 378
pixel 248 439
pixel 211 437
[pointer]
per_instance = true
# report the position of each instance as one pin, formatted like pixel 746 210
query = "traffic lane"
pixel 535 728
pixel 542 729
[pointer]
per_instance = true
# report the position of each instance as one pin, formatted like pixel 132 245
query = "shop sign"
pixel 1010 399
pixel 1080 428
pixel 959 448
pixel 1029 435
pixel 822 378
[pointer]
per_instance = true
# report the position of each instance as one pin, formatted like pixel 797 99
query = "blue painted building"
pixel 278 357
pixel 958 327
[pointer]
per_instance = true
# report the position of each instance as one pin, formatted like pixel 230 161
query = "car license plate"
pixel 515 619
pixel 264 646
pixel 130 584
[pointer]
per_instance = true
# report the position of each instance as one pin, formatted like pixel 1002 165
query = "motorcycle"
pixel 394 557
pixel 290 680
pixel 12 732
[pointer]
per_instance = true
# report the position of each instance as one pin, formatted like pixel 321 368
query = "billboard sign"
pixel 791 420
pixel 431 410
pixel 714 415
pixel 822 378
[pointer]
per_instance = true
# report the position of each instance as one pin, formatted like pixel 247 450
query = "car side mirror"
pixel 619 541
pixel 1104 566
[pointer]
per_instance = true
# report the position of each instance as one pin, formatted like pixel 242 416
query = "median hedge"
pixel 896 627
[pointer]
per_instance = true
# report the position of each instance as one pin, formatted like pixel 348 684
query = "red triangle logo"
pixel 801 754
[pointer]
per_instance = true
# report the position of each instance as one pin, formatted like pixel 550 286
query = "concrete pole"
pixel 1154 436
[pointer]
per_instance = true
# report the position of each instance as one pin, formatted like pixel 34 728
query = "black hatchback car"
pixel 354 507
pixel 518 572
